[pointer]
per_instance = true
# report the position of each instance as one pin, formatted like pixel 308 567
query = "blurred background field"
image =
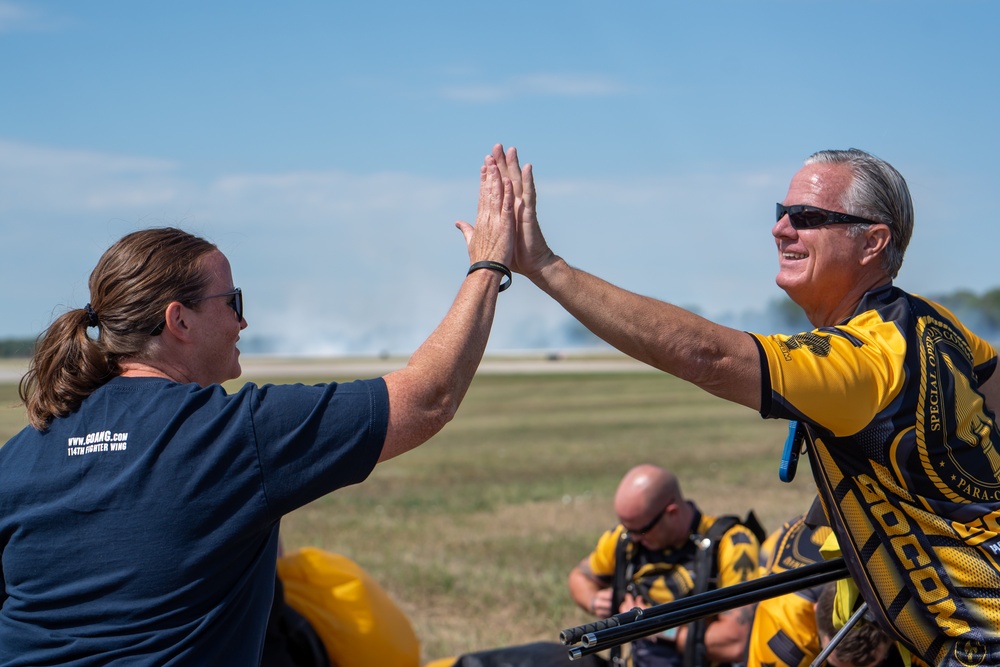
pixel 474 533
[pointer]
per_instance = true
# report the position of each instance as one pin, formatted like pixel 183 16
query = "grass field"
pixel 473 534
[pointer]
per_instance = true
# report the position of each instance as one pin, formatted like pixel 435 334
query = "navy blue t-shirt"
pixel 142 528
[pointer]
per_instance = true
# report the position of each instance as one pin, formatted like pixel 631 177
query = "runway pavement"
pixel 373 367
pixel 11 370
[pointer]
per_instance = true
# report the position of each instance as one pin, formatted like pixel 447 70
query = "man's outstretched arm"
pixel 720 360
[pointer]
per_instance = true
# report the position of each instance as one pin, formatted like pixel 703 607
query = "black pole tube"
pixel 651 625
pixel 660 617
pixel 836 565
pixel 839 637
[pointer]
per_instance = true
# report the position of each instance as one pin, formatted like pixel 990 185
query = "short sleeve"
pixel 602 559
pixel 312 440
pixel 739 556
pixel 836 377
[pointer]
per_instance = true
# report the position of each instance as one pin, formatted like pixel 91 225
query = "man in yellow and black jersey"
pixel 784 627
pixel 910 478
pixel 661 550
pixel 896 397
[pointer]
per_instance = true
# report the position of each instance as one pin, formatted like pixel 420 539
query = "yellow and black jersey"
pixel 784 627
pixel 792 546
pixel 784 631
pixel 904 453
pixel 662 576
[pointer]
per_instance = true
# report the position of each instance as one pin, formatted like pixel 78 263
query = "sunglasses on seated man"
pixel 236 303
pixel 810 217
pixel 639 532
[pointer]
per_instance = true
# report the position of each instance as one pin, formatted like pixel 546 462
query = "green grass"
pixel 474 533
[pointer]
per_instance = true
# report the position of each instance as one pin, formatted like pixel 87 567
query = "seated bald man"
pixel 651 557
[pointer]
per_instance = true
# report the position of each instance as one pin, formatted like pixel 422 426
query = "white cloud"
pixel 37 178
pixel 340 262
pixel 12 15
pixel 314 250
pixel 18 17
pixel 319 194
pixel 337 261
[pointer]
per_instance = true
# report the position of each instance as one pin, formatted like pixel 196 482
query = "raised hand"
pixel 531 252
pixel 492 239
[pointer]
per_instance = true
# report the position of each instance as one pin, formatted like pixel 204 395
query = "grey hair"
pixel 877 192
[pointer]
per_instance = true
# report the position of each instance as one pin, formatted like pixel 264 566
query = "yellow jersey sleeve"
pixel 839 377
pixel 602 559
pixel 783 633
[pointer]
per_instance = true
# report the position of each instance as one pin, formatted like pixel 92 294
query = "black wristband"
pixel 496 266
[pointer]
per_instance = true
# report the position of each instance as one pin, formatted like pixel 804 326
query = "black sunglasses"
pixel 649 526
pixel 236 303
pixel 810 217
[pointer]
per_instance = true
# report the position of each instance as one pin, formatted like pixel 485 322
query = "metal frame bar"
pixel 639 623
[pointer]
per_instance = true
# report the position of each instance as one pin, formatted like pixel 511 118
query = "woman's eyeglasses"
pixel 236 303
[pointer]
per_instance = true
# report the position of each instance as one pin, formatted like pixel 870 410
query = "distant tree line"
pixel 16 347
pixel 979 312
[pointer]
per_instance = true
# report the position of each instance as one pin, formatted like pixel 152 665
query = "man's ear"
pixel 177 323
pixel 877 239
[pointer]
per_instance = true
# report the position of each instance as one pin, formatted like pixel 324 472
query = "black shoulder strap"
pixel 622 575
pixel 756 527
pixel 619 584
pixel 721 527
pixel 707 575
pixel 714 534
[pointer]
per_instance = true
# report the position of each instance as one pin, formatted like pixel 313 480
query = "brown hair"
pixel 130 288
pixel 861 644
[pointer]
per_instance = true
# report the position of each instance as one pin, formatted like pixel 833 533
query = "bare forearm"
pixel 582 589
pixel 425 395
pixel 590 594
pixel 720 360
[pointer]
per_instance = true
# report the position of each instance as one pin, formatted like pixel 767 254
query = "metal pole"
pixel 631 626
pixel 787 581
pixel 837 638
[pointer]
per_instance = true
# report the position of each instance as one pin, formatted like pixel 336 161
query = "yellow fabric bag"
pixel 357 621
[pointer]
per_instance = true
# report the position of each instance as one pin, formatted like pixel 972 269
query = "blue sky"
pixel 328 147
